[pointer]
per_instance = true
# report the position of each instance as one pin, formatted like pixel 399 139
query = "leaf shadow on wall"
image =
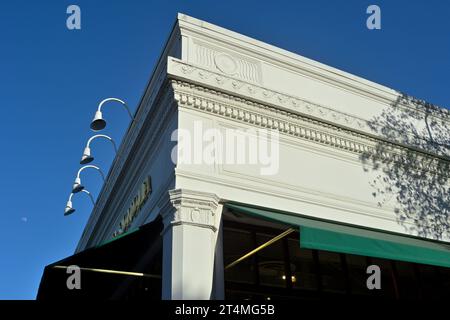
pixel 419 183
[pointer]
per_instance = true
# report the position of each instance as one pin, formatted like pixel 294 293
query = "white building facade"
pixel 338 150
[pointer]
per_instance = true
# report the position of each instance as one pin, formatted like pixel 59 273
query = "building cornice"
pixel 206 91
pixel 296 63
pixel 199 75
pixel 193 96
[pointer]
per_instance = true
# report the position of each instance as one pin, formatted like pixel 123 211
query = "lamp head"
pixel 98 123
pixel 69 210
pixel 86 157
pixel 77 186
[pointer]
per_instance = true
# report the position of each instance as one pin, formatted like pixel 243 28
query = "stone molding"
pixel 226 83
pixel 194 96
pixel 188 207
pixel 227 62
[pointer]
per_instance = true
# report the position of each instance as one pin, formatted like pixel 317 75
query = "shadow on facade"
pixel 416 184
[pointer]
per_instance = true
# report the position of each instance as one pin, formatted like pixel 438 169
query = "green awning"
pixel 322 235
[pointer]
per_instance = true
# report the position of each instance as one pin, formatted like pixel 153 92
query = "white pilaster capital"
pixel 189 207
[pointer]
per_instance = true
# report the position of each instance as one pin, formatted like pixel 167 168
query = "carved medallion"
pixel 225 63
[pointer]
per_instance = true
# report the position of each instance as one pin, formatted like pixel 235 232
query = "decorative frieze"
pixel 224 105
pixel 265 95
pixel 249 91
pixel 228 63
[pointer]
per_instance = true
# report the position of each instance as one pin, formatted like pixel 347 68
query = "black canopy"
pixel 111 270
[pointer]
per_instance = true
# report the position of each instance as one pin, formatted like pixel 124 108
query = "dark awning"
pixel 138 251
pixel 329 236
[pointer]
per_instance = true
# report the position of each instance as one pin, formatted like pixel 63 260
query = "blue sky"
pixel 51 80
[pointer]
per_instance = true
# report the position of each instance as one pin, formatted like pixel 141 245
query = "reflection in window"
pixel 303 272
pixel 237 244
pixel 271 263
pixel 284 270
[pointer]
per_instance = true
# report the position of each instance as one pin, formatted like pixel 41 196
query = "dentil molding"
pixel 194 96
pixel 228 83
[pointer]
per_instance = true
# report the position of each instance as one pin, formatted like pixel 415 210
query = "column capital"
pixel 190 207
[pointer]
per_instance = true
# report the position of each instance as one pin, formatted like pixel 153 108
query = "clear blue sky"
pixel 51 80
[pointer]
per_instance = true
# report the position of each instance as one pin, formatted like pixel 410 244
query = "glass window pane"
pixel 302 267
pixel 271 262
pixel 333 278
pixel 389 284
pixel 429 281
pixel 236 244
pixel 357 268
pixel 407 282
pixel 444 278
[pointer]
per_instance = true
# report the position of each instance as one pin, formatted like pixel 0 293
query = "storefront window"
pixel 331 271
pixel 444 279
pixel 284 270
pixel 357 276
pixel 236 244
pixel 389 282
pixel 271 263
pixel 303 267
pixel 429 281
pixel 407 280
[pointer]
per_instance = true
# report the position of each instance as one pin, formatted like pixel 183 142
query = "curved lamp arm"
pixel 98 123
pixel 85 191
pixel 117 100
pixel 87 157
pixel 69 208
pixel 90 196
pixel 91 166
pixel 77 186
pixel 102 136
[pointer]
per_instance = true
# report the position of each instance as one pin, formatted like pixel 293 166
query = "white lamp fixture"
pixel 98 123
pixel 77 186
pixel 70 209
pixel 87 157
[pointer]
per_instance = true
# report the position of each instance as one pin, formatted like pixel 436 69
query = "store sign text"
pixel 135 207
